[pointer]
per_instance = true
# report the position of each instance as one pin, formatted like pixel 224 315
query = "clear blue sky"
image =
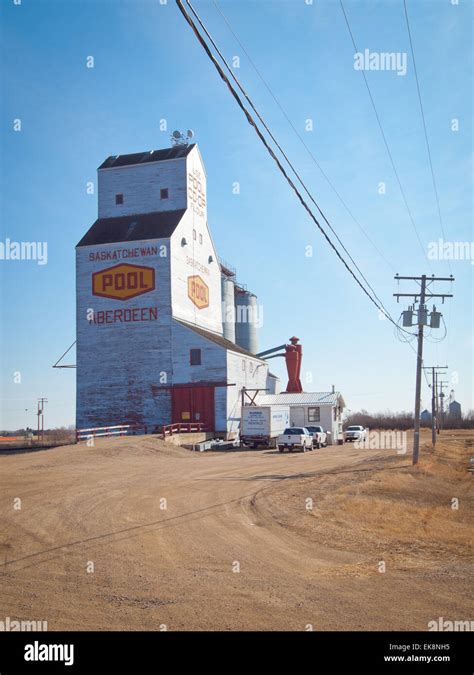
pixel 149 66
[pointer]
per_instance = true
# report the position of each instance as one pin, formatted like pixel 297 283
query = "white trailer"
pixel 262 424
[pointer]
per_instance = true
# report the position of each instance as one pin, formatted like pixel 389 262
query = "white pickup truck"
pixel 295 438
pixel 320 437
pixel 355 433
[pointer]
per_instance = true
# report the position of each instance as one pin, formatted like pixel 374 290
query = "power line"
pixel 234 77
pixel 448 343
pixel 402 191
pixel 435 341
pixel 435 187
pixel 398 332
pixel 252 122
pixel 303 142
pixel 426 376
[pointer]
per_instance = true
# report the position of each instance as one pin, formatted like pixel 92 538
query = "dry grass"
pixel 391 508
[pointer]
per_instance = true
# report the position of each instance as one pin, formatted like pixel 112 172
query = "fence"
pixel 182 428
pixel 116 430
pixel 133 429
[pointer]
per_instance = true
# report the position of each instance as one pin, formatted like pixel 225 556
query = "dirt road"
pixel 135 534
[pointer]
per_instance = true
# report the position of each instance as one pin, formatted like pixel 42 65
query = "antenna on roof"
pixel 178 138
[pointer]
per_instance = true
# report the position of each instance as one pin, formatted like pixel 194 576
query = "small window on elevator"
pixel 119 198
pixel 195 357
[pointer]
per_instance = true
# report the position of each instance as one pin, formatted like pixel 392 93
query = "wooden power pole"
pixel 422 316
pixel 442 395
pixel 41 402
pixel 435 370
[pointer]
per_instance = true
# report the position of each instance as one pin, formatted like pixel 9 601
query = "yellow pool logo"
pixel 124 281
pixel 198 291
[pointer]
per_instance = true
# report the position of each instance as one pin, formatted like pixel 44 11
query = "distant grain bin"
pixel 455 410
pixel 246 320
pixel 425 416
pixel 152 344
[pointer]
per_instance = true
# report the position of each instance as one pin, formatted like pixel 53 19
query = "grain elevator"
pixel 165 332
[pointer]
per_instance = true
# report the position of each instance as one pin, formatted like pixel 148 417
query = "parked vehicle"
pixel 355 433
pixel 320 438
pixel 295 438
pixel 262 424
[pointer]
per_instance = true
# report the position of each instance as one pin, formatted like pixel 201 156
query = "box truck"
pixel 262 424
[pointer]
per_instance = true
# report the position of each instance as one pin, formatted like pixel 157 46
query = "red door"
pixel 194 404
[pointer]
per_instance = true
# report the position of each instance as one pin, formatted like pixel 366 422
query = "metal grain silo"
pixel 246 320
pixel 228 308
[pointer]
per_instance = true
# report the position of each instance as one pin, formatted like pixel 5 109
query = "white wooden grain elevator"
pixel 161 336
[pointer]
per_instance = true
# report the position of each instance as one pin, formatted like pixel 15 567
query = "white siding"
pixel 140 185
pixel 125 369
pixel 120 365
pixel 327 422
pixel 273 384
pixel 300 403
pixel 193 259
pixel 213 366
pixel 217 365
pixel 299 416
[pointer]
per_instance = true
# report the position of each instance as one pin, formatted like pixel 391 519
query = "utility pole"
pixel 41 402
pixel 419 364
pixel 442 385
pixel 433 410
pixel 434 404
pixel 420 297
